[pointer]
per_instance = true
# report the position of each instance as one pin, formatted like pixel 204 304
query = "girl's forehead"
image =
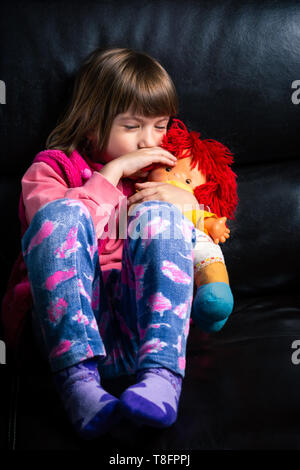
pixel 138 117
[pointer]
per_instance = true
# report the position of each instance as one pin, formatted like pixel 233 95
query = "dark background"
pixel 233 63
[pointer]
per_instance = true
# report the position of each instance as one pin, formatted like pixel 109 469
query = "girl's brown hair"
pixel 110 81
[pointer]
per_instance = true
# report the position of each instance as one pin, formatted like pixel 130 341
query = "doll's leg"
pixel 159 265
pixel 215 271
pixel 213 301
pixel 61 253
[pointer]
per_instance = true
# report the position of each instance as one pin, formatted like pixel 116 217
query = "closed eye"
pixel 136 127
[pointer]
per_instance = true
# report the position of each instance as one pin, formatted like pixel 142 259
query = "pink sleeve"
pixel 41 184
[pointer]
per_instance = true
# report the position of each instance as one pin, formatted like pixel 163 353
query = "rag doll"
pixel 203 168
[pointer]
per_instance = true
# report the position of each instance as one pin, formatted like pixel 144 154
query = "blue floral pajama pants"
pixel 134 318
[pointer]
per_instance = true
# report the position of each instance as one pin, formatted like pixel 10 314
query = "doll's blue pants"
pixel 134 318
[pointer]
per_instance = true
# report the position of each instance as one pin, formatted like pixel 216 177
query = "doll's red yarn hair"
pixel 219 193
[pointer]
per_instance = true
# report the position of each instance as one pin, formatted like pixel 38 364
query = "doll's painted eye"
pixel 168 169
pixel 188 181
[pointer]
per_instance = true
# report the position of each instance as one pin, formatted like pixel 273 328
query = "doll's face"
pixel 181 172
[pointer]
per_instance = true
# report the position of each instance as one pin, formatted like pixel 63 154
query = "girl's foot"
pixel 154 399
pixel 90 408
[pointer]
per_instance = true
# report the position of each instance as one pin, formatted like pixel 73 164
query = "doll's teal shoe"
pixel 212 305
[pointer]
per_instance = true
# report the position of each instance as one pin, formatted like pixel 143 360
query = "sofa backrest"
pixel 235 66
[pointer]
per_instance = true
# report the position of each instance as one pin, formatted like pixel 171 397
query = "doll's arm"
pixel 216 228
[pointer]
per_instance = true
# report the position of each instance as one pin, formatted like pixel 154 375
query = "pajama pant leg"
pixel 153 294
pixel 132 319
pixel 61 255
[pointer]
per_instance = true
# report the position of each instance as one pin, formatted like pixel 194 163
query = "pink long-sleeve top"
pixel 42 184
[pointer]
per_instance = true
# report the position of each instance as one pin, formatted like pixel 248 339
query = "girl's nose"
pixel 145 143
pixel 146 140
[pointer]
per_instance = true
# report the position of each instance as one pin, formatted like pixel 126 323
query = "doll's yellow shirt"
pixel 196 216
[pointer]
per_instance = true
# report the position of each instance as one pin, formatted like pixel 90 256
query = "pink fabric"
pixel 42 183
pixel 52 176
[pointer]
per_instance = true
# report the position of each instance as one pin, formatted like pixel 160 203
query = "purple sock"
pixel 90 408
pixel 154 399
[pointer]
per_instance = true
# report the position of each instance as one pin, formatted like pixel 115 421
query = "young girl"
pixel 105 305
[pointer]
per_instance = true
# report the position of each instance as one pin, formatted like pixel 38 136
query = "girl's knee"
pixel 64 213
pixel 68 211
pixel 153 206
pixel 151 218
pixel 150 210
pixel 62 208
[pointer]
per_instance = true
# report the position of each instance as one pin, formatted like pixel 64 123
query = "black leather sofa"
pixel 236 66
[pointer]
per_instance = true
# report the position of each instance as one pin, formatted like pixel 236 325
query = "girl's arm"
pixel 41 184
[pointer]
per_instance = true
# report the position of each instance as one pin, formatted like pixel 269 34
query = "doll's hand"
pixel 217 229
pixel 151 190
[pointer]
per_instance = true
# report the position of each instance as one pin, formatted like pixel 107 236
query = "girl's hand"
pixel 217 229
pixel 150 190
pixel 132 163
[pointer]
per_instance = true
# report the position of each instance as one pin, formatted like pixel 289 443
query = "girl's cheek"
pixel 161 139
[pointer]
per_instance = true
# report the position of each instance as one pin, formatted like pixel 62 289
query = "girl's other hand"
pixel 150 190
pixel 132 163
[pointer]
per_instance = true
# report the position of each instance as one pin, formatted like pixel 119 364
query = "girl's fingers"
pixel 141 195
pixel 164 152
pixel 167 161
pixel 159 160
pixel 167 156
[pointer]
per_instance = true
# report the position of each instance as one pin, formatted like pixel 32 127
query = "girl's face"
pixel 131 132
